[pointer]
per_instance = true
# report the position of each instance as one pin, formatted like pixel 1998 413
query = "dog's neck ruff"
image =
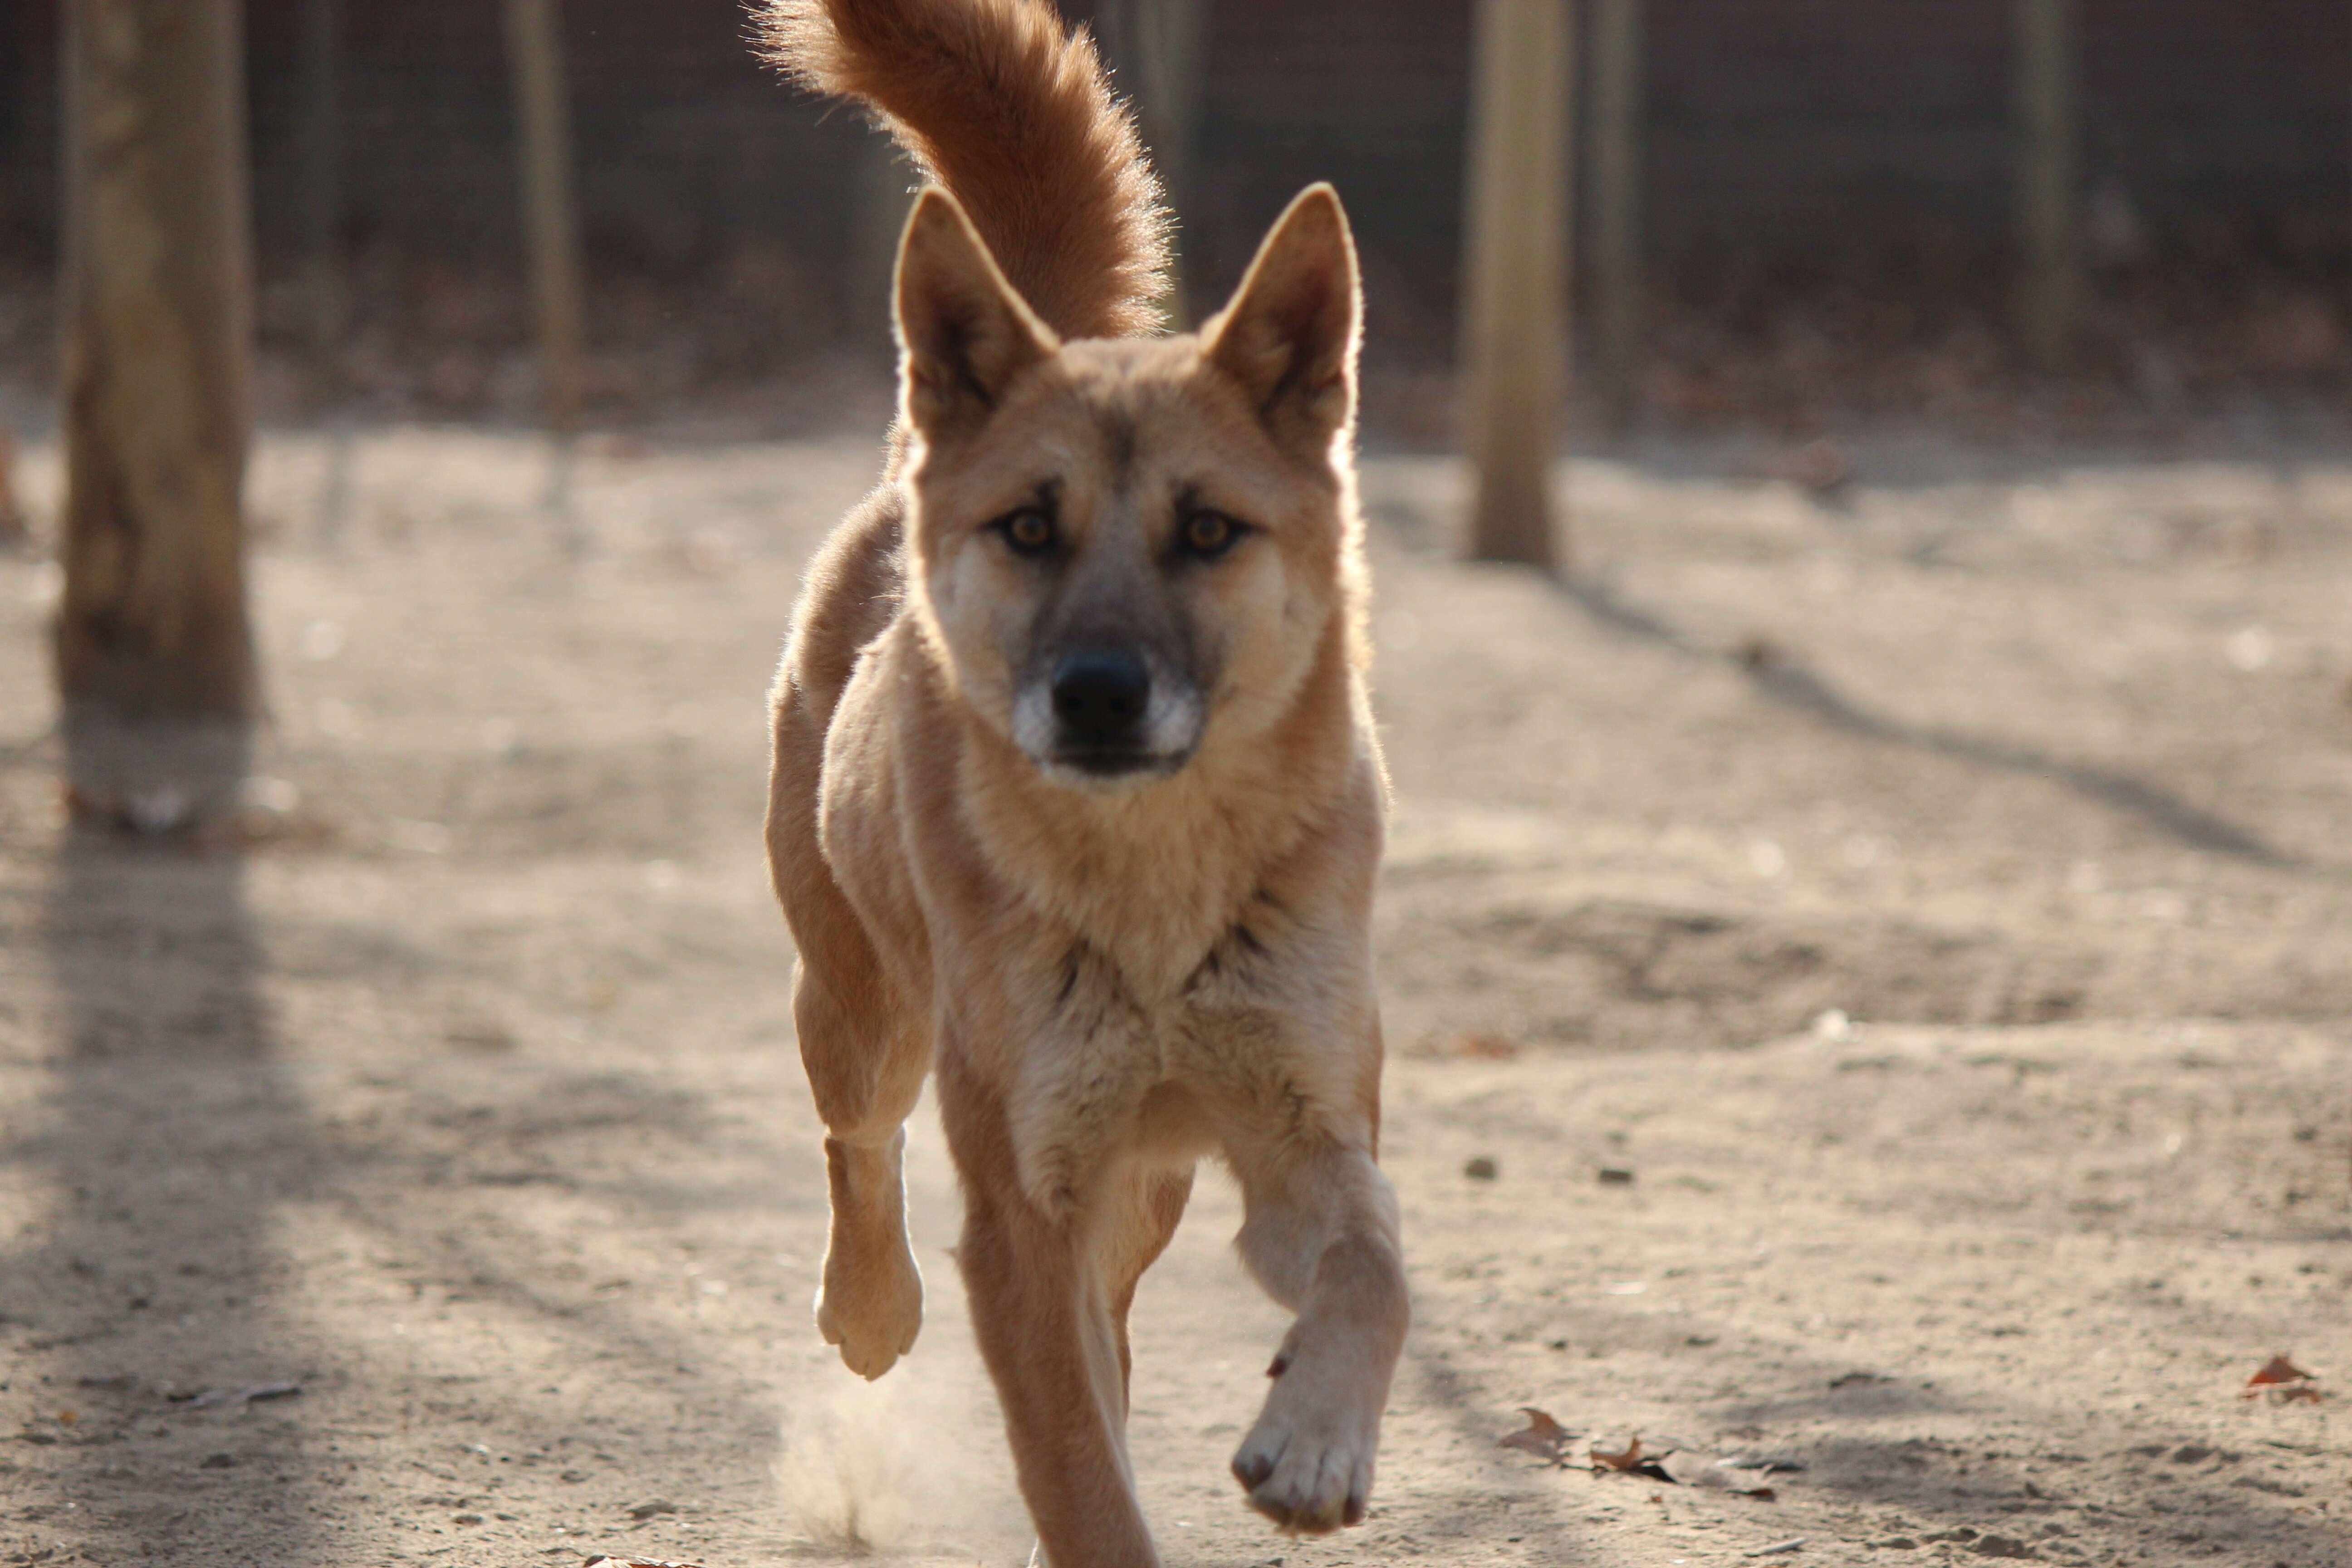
pixel 1154 876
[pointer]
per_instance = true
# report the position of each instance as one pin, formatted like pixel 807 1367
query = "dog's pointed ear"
pixel 1289 334
pixel 963 333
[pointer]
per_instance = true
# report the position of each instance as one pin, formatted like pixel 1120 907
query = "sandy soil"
pixel 1932 903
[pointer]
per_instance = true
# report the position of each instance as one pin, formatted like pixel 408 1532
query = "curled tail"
pixel 1009 110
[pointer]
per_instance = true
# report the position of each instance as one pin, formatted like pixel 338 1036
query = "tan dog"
pixel 1076 798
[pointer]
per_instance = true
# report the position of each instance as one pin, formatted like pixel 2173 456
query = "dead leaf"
pixel 1486 1047
pixel 1632 1460
pixel 2282 1382
pixel 1546 1438
pixel 1624 1458
pixel 2278 1369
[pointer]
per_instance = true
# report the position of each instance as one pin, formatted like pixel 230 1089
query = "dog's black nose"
pixel 1099 695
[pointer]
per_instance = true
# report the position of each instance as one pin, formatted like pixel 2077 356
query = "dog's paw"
pixel 1307 1463
pixel 871 1306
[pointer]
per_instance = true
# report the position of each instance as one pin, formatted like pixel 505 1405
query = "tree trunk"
pixel 1155 48
pixel 551 232
pixel 1617 168
pixel 320 116
pixel 1515 271
pixel 2049 285
pixel 158 362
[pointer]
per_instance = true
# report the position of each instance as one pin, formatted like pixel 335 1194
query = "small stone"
pixel 1482 1168
pixel 1615 1176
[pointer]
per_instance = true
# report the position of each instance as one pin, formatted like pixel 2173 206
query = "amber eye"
pixel 1210 532
pixel 1031 532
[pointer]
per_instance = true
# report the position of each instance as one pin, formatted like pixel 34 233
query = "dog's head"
pixel 1129 551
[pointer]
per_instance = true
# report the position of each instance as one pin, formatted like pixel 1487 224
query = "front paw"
pixel 871 1307
pixel 1307 1463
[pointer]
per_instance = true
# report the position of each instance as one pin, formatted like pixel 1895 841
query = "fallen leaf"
pixel 2278 1369
pixel 1544 1438
pixel 2284 1382
pixel 1624 1458
pixel 1632 1460
pixel 1486 1047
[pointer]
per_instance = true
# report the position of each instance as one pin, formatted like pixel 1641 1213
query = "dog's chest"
pixel 1105 1076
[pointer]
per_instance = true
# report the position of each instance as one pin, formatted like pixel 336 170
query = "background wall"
pixel 1795 144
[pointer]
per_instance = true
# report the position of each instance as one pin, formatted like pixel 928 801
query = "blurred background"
pixel 1827 192
pixel 1865 939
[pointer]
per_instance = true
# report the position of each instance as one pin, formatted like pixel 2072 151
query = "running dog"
pixel 1075 800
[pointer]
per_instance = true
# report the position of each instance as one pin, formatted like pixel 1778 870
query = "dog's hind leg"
pixel 1150 1206
pixel 1042 1310
pixel 1321 1236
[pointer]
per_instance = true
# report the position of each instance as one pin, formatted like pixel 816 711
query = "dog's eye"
pixel 1209 534
pixel 1029 532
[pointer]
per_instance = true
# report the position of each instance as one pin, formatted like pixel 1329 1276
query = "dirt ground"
pixel 1887 956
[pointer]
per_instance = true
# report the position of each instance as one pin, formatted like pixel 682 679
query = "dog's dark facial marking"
pixel 1119 444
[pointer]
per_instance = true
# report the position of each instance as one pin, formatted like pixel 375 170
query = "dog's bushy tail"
pixel 1008 109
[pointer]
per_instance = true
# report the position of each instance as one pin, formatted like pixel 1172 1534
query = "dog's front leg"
pixel 1042 1310
pixel 1321 1236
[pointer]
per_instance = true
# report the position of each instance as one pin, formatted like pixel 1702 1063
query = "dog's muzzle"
pixel 1109 718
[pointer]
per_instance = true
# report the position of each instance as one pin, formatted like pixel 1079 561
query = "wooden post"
pixel 320 143
pixel 158 329
pixel 1156 48
pixel 2050 262
pixel 1515 271
pixel 14 529
pixel 1617 181
pixel 550 231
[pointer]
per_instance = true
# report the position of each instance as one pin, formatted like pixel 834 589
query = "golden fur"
pixel 1075 800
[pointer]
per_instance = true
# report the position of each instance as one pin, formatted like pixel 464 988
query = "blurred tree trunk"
pixel 1155 48
pixel 1515 272
pixel 158 329
pixel 1618 29
pixel 551 230
pixel 2050 283
pixel 319 118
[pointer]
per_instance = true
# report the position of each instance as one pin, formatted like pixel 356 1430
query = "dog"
pixel 1076 801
